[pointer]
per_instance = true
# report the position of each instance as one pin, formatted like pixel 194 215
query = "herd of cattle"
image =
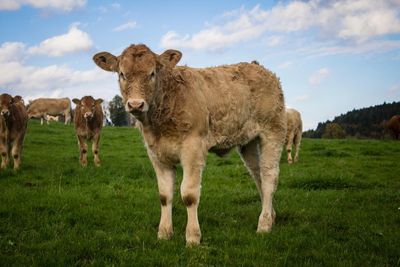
pixel 182 113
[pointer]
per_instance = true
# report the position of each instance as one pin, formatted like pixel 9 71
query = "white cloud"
pixel 32 81
pixel 126 26
pixel 352 20
pixel 318 76
pixel 11 51
pixel 73 41
pixel 62 5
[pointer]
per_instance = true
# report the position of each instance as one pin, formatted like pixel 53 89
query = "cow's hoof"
pixel 164 235
pixel 192 243
pixel 193 239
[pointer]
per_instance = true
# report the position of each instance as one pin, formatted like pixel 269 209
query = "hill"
pixel 360 123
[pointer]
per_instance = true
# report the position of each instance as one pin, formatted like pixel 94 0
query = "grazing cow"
pixel 185 112
pixel 13 121
pixel 394 126
pixel 293 134
pixel 41 107
pixel 88 122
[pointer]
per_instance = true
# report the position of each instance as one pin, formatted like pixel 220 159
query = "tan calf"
pixel 13 122
pixel 293 134
pixel 185 112
pixel 88 120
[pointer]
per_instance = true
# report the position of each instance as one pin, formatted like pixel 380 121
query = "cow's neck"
pixel 163 109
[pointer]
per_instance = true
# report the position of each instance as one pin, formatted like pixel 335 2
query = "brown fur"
pixel 293 134
pixel 189 111
pixel 41 107
pixel 88 129
pixel 394 126
pixel 12 129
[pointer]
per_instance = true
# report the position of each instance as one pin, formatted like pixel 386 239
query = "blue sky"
pixel 331 56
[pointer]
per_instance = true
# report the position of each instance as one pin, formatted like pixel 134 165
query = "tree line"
pixel 367 122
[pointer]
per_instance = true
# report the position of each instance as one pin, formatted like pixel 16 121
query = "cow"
pixel 185 112
pixel 393 126
pixel 41 107
pixel 88 120
pixel 293 134
pixel 13 123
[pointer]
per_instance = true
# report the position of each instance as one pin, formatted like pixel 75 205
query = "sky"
pixel 331 56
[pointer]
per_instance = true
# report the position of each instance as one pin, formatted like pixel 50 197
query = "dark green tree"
pixel 118 115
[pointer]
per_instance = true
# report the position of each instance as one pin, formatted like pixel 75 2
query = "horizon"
pixel 331 56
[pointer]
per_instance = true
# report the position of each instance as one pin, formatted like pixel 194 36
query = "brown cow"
pixel 394 126
pixel 13 121
pixel 88 120
pixel 293 134
pixel 41 107
pixel 185 112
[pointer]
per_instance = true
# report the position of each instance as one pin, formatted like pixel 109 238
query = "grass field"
pixel 339 206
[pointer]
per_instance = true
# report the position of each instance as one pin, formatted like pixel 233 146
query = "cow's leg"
pixel 83 151
pixel 289 148
pixel 193 161
pixel 297 141
pixel 250 156
pixel 16 151
pixel 95 149
pixel 270 153
pixel 165 180
pixel 67 117
pixel 41 120
pixel 4 153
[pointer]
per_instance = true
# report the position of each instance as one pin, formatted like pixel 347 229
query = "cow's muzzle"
pixel 136 106
pixel 88 115
pixel 5 113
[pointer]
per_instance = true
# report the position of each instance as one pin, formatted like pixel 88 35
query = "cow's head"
pixel 87 106
pixel 138 69
pixel 5 104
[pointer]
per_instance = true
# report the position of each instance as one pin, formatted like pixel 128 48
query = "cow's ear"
pixel 76 101
pixel 17 98
pixel 98 101
pixel 170 58
pixel 106 61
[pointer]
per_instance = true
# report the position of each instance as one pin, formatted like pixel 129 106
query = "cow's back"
pixel 50 106
pixel 236 102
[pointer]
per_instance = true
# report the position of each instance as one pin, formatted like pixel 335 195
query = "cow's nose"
pixel 88 115
pixel 135 105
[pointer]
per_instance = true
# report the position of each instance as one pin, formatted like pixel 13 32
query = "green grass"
pixel 339 206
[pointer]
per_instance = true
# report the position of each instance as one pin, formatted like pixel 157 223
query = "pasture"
pixel 339 206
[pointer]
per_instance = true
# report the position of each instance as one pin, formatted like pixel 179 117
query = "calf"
pixel 13 122
pixel 88 120
pixel 185 112
pixel 293 134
